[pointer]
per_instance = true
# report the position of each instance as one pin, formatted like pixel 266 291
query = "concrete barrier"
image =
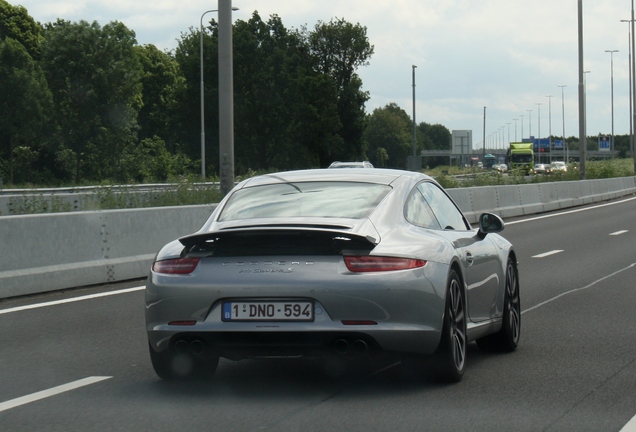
pixel 48 252
pixel 518 200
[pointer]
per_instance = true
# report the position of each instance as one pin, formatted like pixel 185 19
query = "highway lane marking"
pixel 51 392
pixel 569 212
pixel 579 289
pixel 70 300
pixel 619 232
pixel 631 426
pixel 546 254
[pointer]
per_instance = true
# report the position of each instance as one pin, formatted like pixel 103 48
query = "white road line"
pixel 50 392
pixel 543 255
pixel 568 212
pixel 631 426
pixel 619 232
pixel 70 300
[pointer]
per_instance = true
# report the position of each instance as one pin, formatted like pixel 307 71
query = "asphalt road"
pixel 83 365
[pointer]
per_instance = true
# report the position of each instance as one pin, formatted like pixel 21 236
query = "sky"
pixel 509 56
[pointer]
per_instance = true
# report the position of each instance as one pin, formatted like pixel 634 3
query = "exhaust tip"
pixel 360 346
pixel 181 346
pixel 341 346
pixel 197 347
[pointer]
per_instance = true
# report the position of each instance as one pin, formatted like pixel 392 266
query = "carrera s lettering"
pixel 287 270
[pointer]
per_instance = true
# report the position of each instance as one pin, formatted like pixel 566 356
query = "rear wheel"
pixel 507 339
pixel 448 362
pixel 450 357
pixel 174 364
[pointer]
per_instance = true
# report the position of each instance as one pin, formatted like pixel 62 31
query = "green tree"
pixel 24 103
pixel 94 76
pixel 17 24
pixel 388 137
pixel 161 81
pixel 287 109
pixel 339 49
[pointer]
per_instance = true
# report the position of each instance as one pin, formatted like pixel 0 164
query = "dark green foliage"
pixel 94 75
pixel 24 105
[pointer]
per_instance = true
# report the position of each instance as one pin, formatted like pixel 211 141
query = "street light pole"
pixel 484 134
pixel 633 83
pixel 521 116
pixel 550 126
pixel 631 126
pixel 226 98
pixel 414 123
pixel 582 135
pixel 565 148
pixel 539 130
pixel 515 120
pixel 529 123
pixel 203 92
pixel 612 91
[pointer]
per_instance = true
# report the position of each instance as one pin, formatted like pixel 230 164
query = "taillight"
pixel 379 264
pixel 176 266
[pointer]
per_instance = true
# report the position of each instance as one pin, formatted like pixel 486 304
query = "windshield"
pixel 521 158
pixel 306 199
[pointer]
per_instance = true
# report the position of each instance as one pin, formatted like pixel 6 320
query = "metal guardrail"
pixel 86 198
pixel 86 189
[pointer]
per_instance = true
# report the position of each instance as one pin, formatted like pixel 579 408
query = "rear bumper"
pixel 267 344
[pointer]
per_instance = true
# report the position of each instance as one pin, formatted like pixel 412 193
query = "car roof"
pixel 364 164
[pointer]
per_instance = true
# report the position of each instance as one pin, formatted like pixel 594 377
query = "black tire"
pixel 182 365
pixel 507 339
pixel 450 357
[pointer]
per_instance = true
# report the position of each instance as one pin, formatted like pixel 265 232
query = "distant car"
pixel 558 166
pixel 364 164
pixel 541 169
pixel 500 167
pixel 318 264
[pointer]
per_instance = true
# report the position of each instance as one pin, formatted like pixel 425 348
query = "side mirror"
pixel 490 223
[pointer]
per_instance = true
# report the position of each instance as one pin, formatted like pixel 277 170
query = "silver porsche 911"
pixel 323 263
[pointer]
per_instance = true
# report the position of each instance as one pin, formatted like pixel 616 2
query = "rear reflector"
pixel 176 266
pixel 379 264
pixel 359 322
pixel 182 323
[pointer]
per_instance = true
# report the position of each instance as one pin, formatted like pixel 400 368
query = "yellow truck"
pixel 521 157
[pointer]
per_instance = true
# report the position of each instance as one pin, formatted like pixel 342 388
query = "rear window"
pixel 305 199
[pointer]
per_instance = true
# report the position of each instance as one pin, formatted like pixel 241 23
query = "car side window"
pixel 443 208
pixel 418 212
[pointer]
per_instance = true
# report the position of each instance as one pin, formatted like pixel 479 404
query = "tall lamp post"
pixel 550 126
pixel 565 148
pixel 539 130
pixel 633 50
pixel 583 149
pixel 582 136
pixel 203 92
pixel 484 134
pixel 612 91
pixel 521 116
pixel 529 123
pixel 414 123
pixel 631 125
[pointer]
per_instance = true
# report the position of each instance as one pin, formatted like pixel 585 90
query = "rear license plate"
pixel 268 311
